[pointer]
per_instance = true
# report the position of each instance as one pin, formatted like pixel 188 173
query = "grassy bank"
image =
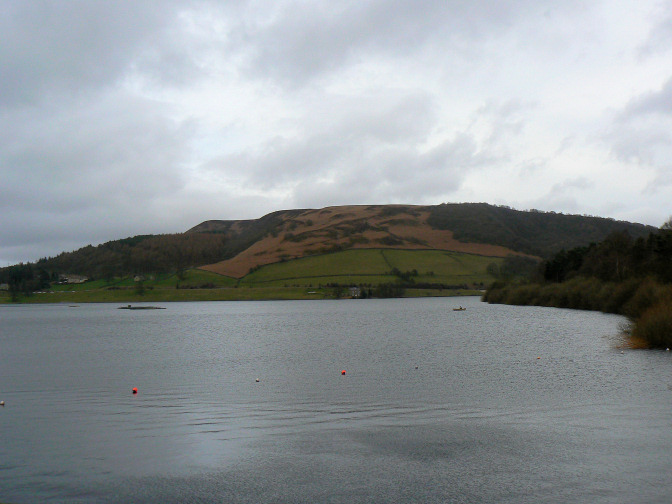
pixel 422 272
pixel 169 295
pixel 166 295
pixel 197 285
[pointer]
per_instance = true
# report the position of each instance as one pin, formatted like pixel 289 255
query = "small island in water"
pixel 130 307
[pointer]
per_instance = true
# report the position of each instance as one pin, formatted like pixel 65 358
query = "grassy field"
pixel 372 266
pixel 167 295
pixel 304 278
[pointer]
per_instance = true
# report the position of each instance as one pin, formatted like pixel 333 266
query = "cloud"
pixel 51 49
pixel 115 146
pixel 642 130
pixel 121 118
pixel 661 184
pixel 659 39
pixel 334 134
pixel 98 167
pixel 368 148
pixel 298 42
pixel 565 194
pixel 653 102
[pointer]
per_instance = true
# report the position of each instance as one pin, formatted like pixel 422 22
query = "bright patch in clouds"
pixel 139 117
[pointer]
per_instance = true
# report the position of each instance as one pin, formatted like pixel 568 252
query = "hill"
pixel 237 248
pixel 533 232
pixel 304 233
pixel 478 228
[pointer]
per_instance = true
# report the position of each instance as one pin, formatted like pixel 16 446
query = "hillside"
pixel 234 248
pixel 532 232
pixel 468 228
pixel 316 232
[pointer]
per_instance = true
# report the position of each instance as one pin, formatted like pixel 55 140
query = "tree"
pixel 667 226
pixel 389 290
pixel 13 292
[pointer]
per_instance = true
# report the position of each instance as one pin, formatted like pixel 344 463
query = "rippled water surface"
pixel 492 404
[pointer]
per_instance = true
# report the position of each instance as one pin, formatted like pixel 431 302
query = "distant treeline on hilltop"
pixel 533 231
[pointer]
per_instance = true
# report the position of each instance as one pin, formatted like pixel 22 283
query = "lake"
pixel 494 404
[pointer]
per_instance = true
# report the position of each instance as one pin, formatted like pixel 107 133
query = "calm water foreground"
pixel 495 404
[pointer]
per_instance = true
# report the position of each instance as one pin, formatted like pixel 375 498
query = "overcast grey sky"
pixel 132 117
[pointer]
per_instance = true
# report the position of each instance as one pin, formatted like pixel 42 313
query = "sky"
pixel 147 117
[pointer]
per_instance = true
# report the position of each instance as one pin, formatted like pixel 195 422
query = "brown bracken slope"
pixel 298 233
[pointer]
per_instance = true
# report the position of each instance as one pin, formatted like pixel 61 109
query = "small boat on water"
pixel 459 309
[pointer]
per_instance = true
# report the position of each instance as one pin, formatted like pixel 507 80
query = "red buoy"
pixel 343 372
pixel 135 390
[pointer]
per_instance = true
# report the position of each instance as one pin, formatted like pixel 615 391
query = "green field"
pixel 305 278
pixel 373 266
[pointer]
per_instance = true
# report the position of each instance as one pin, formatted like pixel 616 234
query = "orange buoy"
pixel 135 390
pixel 343 371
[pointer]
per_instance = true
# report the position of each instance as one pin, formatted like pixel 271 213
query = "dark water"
pixel 481 418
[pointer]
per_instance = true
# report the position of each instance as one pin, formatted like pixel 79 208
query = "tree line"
pixel 617 258
pixel 533 232
pixel 138 255
pixel 25 278
pixel 621 274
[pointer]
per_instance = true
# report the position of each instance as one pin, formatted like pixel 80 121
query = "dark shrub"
pixel 647 294
pixel 619 295
pixel 655 325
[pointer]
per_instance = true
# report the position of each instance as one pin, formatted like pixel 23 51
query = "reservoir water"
pixel 244 402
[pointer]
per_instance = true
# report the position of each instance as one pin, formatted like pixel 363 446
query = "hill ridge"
pixel 329 229
pixel 235 247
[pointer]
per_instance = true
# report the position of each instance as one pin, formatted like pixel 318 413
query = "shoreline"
pixel 220 294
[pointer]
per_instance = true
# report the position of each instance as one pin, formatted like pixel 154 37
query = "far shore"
pixel 217 294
